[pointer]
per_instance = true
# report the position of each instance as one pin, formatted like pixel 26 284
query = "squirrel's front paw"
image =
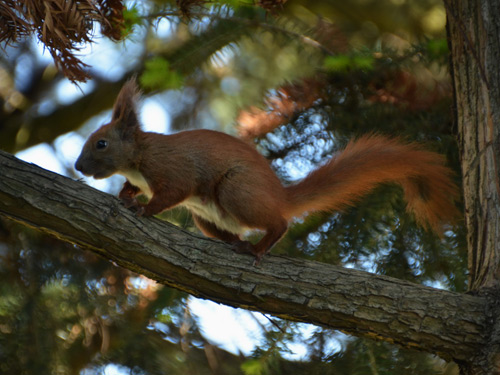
pixel 129 202
pixel 243 247
pixel 133 204
pixel 140 210
pixel 246 247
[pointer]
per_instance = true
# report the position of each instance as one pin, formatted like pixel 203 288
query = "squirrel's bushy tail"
pixel 372 160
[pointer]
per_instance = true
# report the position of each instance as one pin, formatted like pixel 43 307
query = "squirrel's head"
pixel 111 148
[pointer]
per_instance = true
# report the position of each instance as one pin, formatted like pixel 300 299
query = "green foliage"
pixel 437 49
pixel 368 357
pixel 253 367
pixel 132 18
pixel 158 75
pixel 345 63
pixel 235 4
pixel 63 311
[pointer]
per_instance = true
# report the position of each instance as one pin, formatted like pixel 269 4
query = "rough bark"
pixel 474 35
pixel 448 324
pixel 474 32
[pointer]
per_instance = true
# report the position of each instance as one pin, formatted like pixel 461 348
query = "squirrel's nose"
pixel 78 165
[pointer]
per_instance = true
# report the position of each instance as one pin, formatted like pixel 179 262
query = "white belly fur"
pixel 136 179
pixel 207 210
pixel 210 212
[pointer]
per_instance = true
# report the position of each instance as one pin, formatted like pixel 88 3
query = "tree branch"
pixel 449 324
pixel 46 128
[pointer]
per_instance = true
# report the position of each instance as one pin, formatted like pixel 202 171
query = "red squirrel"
pixel 229 187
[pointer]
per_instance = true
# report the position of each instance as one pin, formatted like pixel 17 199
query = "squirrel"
pixel 229 187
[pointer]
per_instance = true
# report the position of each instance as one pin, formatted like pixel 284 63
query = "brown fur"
pixel 372 160
pixel 229 186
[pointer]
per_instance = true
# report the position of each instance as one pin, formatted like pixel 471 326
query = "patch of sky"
pixel 43 156
pixel 24 70
pixel 153 116
pixel 240 331
pixel 164 28
pixel 200 25
pixel 111 369
pixel 234 330
pixel 230 85
pixel 68 146
pixel 298 168
pixel 159 327
pixel 366 263
pixel 66 92
pixel 221 59
pixel 314 239
pixel 436 284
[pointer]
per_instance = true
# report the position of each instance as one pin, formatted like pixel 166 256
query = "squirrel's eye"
pixel 101 143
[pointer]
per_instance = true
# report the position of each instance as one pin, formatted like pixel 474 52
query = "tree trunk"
pixel 474 35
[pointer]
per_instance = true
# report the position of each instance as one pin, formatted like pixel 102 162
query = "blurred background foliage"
pixel 299 79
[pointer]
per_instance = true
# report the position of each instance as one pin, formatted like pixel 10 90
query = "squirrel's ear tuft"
pixel 124 110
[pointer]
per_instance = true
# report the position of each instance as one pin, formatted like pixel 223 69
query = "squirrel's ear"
pixel 124 110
